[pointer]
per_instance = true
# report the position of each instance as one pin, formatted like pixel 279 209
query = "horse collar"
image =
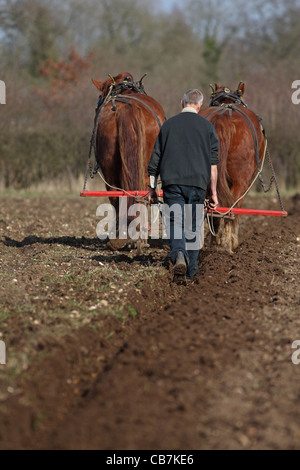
pixel 128 85
pixel 216 98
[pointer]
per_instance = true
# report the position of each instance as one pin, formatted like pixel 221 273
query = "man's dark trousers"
pixel 181 195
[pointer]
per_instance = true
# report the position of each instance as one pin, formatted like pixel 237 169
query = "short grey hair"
pixel 192 96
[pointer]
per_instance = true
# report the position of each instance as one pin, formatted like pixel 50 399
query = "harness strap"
pixel 140 101
pixel 228 107
pixel 253 132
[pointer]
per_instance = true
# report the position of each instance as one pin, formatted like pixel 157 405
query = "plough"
pixel 220 210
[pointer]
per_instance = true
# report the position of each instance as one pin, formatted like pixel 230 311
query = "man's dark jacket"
pixel 185 149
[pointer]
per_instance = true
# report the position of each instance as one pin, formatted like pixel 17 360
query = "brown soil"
pixel 105 352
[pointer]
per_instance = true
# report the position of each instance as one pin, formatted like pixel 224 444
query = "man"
pixel 185 155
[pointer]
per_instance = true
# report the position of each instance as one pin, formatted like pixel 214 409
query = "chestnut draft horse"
pixel 127 123
pixel 241 152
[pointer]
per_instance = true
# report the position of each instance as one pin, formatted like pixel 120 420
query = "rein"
pixel 140 101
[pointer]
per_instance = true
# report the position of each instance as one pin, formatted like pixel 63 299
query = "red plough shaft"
pixel 238 211
pixel 222 210
pixel 117 193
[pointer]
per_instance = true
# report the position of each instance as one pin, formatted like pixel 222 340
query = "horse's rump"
pixel 225 129
pixel 125 139
pixel 237 155
pixel 131 142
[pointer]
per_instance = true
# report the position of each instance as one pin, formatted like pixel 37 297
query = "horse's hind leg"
pixel 224 236
pixel 229 239
pixel 145 227
pixel 142 242
pixel 226 241
pixel 217 227
pixel 235 232
pixel 140 237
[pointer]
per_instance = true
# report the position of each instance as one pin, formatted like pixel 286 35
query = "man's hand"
pixel 152 196
pixel 152 192
pixel 213 201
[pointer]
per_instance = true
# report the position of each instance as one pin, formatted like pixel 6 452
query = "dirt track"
pixel 103 351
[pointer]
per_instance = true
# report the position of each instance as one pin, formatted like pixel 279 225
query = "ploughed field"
pixel 103 351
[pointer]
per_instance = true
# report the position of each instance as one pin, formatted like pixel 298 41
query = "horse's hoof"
pixel 224 249
pixel 235 244
pixel 116 244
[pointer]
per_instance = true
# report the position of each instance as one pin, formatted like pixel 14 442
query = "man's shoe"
pixel 180 269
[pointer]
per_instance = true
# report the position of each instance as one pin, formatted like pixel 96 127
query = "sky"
pixel 168 4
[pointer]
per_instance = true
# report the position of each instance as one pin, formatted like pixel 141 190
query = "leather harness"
pixel 113 95
pixel 237 102
pixel 116 95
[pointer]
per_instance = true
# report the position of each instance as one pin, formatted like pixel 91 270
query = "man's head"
pixel 193 98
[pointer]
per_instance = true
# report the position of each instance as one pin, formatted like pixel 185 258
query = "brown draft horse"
pixel 241 151
pixel 127 123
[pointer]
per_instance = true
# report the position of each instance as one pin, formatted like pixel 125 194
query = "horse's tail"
pixel 224 129
pixel 131 141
